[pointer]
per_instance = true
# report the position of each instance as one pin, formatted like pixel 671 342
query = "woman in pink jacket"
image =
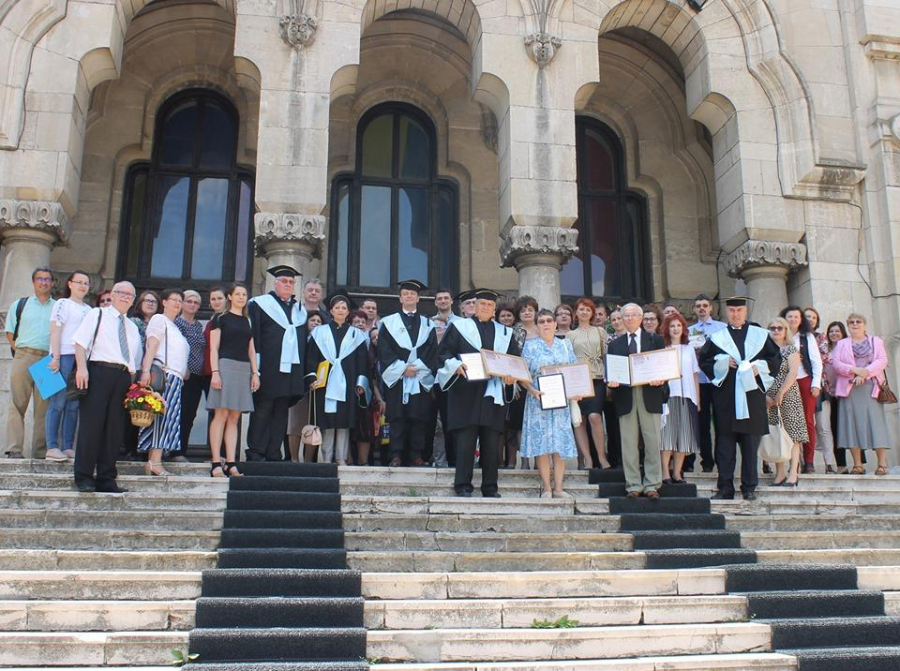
pixel 859 362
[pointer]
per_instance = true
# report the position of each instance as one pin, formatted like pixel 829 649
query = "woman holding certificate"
pixel 589 343
pixel 547 433
pixel 679 436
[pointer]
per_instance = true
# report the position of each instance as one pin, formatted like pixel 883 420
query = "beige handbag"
pixel 776 446
pixel 311 434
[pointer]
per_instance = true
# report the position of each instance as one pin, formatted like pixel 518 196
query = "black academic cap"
pixel 738 301
pixel 486 294
pixel 466 295
pixel 283 271
pixel 341 295
pixel 412 285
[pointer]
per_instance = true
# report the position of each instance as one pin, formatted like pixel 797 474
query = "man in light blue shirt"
pixel 28 334
pixel 699 333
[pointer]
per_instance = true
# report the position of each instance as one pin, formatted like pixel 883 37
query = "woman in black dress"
pixel 344 387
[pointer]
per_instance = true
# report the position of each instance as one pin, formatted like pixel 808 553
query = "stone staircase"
pixel 92 580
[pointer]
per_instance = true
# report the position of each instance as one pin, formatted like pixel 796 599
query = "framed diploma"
pixel 553 388
pixel 658 364
pixel 618 369
pixel 503 365
pixel 474 366
pixel 577 376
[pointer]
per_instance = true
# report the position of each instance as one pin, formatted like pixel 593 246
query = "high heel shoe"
pixel 777 484
pixel 231 470
pixel 216 466
pixel 790 484
pixel 155 468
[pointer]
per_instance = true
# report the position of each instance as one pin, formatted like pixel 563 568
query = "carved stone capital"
pixel 279 230
pixel 542 47
pixel 761 253
pixel 523 242
pixel 298 30
pixel 34 216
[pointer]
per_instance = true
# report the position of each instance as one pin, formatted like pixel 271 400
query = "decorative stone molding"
pixel 35 215
pixel 542 47
pixel 298 28
pixel 301 230
pixel 524 241
pixel 760 253
pixel 895 128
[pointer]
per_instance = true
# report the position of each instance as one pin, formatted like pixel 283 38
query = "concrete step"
pixel 748 523
pixel 94 560
pixel 100 584
pixel 452 505
pixel 39 466
pixel 66 616
pixel 108 539
pixel 819 540
pixel 856 556
pixel 480 523
pixel 521 613
pixel 90 648
pixel 70 501
pixel 502 645
pixel 723 662
pixel 487 542
pixel 885 578
pixel 145 484
pixel 150 520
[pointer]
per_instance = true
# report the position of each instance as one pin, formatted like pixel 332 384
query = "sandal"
pixel 216 467
pixel 156 468
pixel 858 470
pixel 231 470
pixel 881 470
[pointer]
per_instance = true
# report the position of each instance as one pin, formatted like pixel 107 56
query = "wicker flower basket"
pixel 141 418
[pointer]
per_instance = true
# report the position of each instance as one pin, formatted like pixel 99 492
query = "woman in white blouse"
pixel 809 377
pixel 62 412
pixel 168 349
pixel 680 421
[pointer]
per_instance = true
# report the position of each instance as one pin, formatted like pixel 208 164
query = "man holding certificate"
pixel 476 407
pixel 739 360
pixel 639 408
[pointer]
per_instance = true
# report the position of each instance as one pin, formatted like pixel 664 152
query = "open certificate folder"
pixel 47 381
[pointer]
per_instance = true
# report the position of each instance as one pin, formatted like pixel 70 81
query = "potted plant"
pixel 143 404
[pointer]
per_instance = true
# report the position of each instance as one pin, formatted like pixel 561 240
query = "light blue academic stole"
pixel 423 378
pixel 467 328
pixel 290 353
pixel 336 387
pixel 745 381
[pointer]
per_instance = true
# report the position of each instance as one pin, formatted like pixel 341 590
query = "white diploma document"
pixel 658 364
pixel 618 369
pixel 505 365
pixel 474 366
pixel 579 383
pixel 553 388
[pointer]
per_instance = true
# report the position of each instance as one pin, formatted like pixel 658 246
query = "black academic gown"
pixel 723 397
pixel 355 364
pixel 419 406
pixel 267 338
pixel 466 403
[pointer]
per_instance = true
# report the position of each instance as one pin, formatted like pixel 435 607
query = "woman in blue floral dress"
pixel 547 434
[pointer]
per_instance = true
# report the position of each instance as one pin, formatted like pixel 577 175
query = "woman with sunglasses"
pixel 784 404
pixel 859 362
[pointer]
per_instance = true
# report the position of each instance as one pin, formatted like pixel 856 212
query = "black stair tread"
pixel 287 582
pixel 773 577
pixel 282 519
pixel 696 558
pixel 279 644
pixel 676 505
pixel 278 666
pixel 617 489
pixel 875 658
pixel 834 631
pixel 598 475
pixel 278 500
pixel 282 538
pixel 822 622
pixel 282 558
pixel 284 484
pixel 815 604
pixel 684 539
pixel 269 612
pixel 662 521
pixel 289 469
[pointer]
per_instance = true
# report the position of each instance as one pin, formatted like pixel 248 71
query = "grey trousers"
pixel 649 426
pixel 23 391
pixel 335 445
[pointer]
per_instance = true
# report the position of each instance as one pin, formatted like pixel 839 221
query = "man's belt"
pixel 108 364
pixel 31 350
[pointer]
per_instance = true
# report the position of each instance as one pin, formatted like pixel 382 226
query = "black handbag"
pixel 72 391
pixel 157 372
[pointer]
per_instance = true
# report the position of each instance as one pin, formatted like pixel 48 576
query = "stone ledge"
pixel 758 253
pixel 38 215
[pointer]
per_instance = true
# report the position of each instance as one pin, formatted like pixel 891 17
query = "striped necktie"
pixel 123 341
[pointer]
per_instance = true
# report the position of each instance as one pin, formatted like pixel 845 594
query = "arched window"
pixel 188 213
pixel 393 219
pixel 612 239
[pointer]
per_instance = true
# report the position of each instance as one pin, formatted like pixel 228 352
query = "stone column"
pixel 764 266
pixel 289 239
pixel 29 230
pixel 537 253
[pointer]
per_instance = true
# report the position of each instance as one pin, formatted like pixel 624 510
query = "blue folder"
pixel 48 382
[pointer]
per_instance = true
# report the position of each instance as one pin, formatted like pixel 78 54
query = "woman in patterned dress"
pixel 784 402
pixel 547 434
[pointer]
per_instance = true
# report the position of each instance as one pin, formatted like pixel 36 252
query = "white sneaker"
pixel 563 495
pixel 70 454
pixel 54 454
pixel 547 494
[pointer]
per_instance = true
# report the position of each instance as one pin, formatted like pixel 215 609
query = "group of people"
pixel 333 381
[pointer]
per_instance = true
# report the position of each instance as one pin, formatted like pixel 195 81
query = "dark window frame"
pixel 154 170
pixel 356 181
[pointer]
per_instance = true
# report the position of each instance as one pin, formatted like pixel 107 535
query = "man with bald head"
pixel 107 354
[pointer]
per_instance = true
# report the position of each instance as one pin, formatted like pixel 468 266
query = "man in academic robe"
pixel 278 324
pixel 407 352
pixel 740 360
pixel 476 410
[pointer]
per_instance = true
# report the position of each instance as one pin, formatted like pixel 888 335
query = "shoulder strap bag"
pixel 72 390
pixel 311 434
pixel 157 372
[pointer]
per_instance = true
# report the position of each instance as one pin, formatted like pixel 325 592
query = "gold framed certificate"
pixel 658 364
pixel 579 383
pixel 505 365
pixel 474 366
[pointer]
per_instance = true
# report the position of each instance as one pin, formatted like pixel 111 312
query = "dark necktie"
pixel 123 341
pixel 632 343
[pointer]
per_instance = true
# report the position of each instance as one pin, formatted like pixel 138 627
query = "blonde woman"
pixel 784 403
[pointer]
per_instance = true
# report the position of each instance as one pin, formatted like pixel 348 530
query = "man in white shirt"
pixel 699 332
pixel 370 307
pixel 107 354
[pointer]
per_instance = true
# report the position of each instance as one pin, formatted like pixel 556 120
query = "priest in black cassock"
pixel 278 324
pixel 476 410
pixel 740 360
pixel 407 352
pixel 346 385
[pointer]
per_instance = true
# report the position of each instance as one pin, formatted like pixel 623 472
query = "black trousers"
pixel 726 456
pixel 613 435
pixel 707 459
pixel 449 449
pixel 191 393
pixel 101 425
pixel 268 424
pixel 430 429
pixel 464 442
pixel 407 439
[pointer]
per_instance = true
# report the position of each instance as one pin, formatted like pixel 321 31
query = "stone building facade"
pixel 648 148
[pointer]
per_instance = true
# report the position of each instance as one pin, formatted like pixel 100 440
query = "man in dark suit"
pixel 639 409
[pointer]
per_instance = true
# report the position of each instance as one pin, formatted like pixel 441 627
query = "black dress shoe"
pixel 668 481
pixel 494 495
pixel 721 496
pixel 464 494
pixel 749 496
pixel 115 489
pixel 86 487
pixel 707 469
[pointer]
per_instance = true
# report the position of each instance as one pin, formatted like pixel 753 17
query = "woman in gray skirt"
pixel 232 358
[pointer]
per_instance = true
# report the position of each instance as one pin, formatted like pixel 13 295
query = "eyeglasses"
pixel 546 321
pixel 150 301
pixel 124 294
pixel 776 329
pixel 855 321
pixel 81 283
pixel 43 280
